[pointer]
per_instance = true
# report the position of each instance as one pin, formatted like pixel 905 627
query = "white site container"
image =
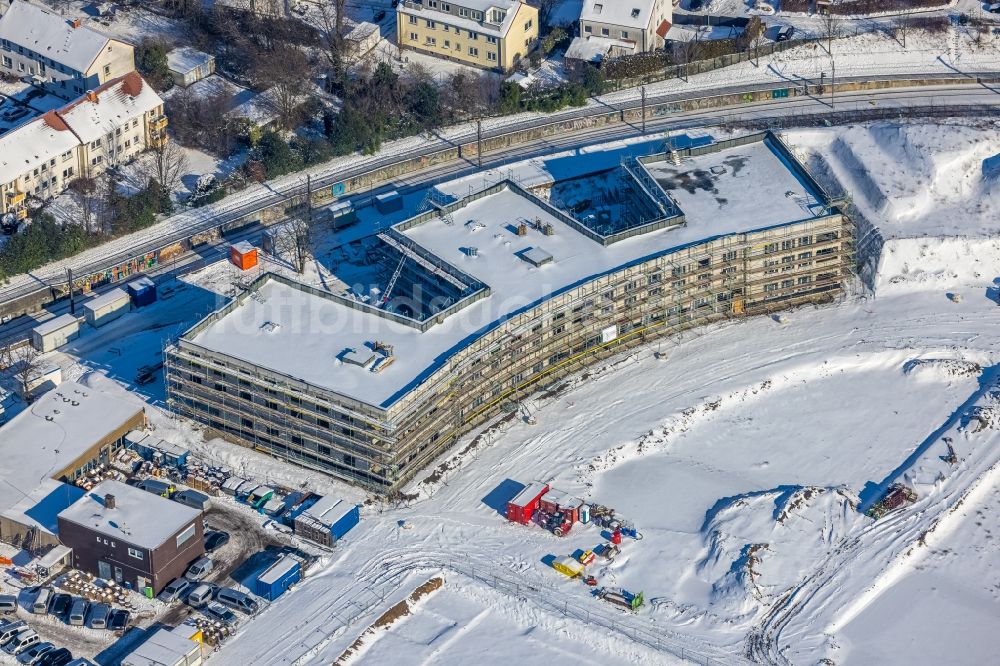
pixel 55 333
pixel 107 307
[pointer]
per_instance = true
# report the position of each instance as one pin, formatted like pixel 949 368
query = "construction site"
pixel 471 305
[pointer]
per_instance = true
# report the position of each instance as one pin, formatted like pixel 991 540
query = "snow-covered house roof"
pixel 137 517
pixel 184 59
pixel 48 34
pixel 629 13
pixel 109 107
pixel 33 144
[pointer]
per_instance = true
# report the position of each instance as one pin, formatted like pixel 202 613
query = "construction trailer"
pixel 326 520
pixel 142 292
pixel 277 578
pixel 525 503
pixel 341 215
pixel 54 333
pixel 107 307
pixel 389 202
pixel 243 255
pixel 556 501
pixel 165 648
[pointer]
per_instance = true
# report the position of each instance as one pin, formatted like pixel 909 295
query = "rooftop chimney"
pixel 92 96
pixel 109 501
pixel 75 23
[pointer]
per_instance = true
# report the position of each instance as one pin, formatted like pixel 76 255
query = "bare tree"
pixel 686 53
pixel 85 190
pixel 902 26
pixel 286 76
pixel 333 29
pixel 23 364
pixel 832 25
pixel 168 164
pixel 293 242
pixel 755 44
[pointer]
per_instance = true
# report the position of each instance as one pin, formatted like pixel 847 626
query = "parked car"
pixel 8 603
pixel 993 8
pixel 98 616
pixel 200 596
pixel 784 33
pixel 57 657
pixel 59 605
pixel 80 662
pixel 34 655
pixel 118 620
pixel 22 641
pixel 192 498
pixel 11 629
pixel 220 613
pixel 201 568
pixel 216 539
pixel 241 601
pixel 156 487
pixel 176 589
pixel 78 611
pixel 40 606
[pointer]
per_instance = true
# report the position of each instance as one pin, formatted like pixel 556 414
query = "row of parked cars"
pixel 78 611
pixel 19 640
pixel 215 602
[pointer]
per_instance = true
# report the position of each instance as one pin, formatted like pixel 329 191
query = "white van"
pixel 78 611
pixel 40 606
pixel 8 603
pixel 200 596
pixel 201 568
pixel 98 618
pixel 22 642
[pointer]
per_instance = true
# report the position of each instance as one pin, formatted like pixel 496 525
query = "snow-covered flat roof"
pixel 296 332
pixel 278 569
pixel 183 59
pixel 54 432
pixel 56 324
pixel 112 297
pixel 138 517
pixel 747 186
pixel 51 35
pixel 41 506
pixel 328 510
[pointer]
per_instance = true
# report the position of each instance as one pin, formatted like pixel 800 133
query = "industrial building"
pixel 138 539
pixel 486 298
pixel 67 432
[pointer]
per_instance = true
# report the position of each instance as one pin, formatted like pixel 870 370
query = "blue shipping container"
pixel 278 577
pixel 142 291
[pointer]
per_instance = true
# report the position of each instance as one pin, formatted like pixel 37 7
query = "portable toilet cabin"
pixel 525 503
pixel 54 333
pixel 243 255
pixel 142 292
pixel 389 202
pixel 107 307
pixel 278 577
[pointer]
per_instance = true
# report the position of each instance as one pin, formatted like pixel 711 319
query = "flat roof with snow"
pixel 138 517
pixel 184 59
pixel 56 324
pixel 113 297
pixel 280 568
pixel 303 333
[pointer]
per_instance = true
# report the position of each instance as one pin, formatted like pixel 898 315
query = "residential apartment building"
pixel 60 55
pixel 643 23
pixel 373 393
pixel 103 128
pixel 493 34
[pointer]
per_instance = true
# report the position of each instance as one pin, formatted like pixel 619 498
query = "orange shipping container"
pixel 243 255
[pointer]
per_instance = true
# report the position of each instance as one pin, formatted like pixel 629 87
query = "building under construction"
pixel 486 299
